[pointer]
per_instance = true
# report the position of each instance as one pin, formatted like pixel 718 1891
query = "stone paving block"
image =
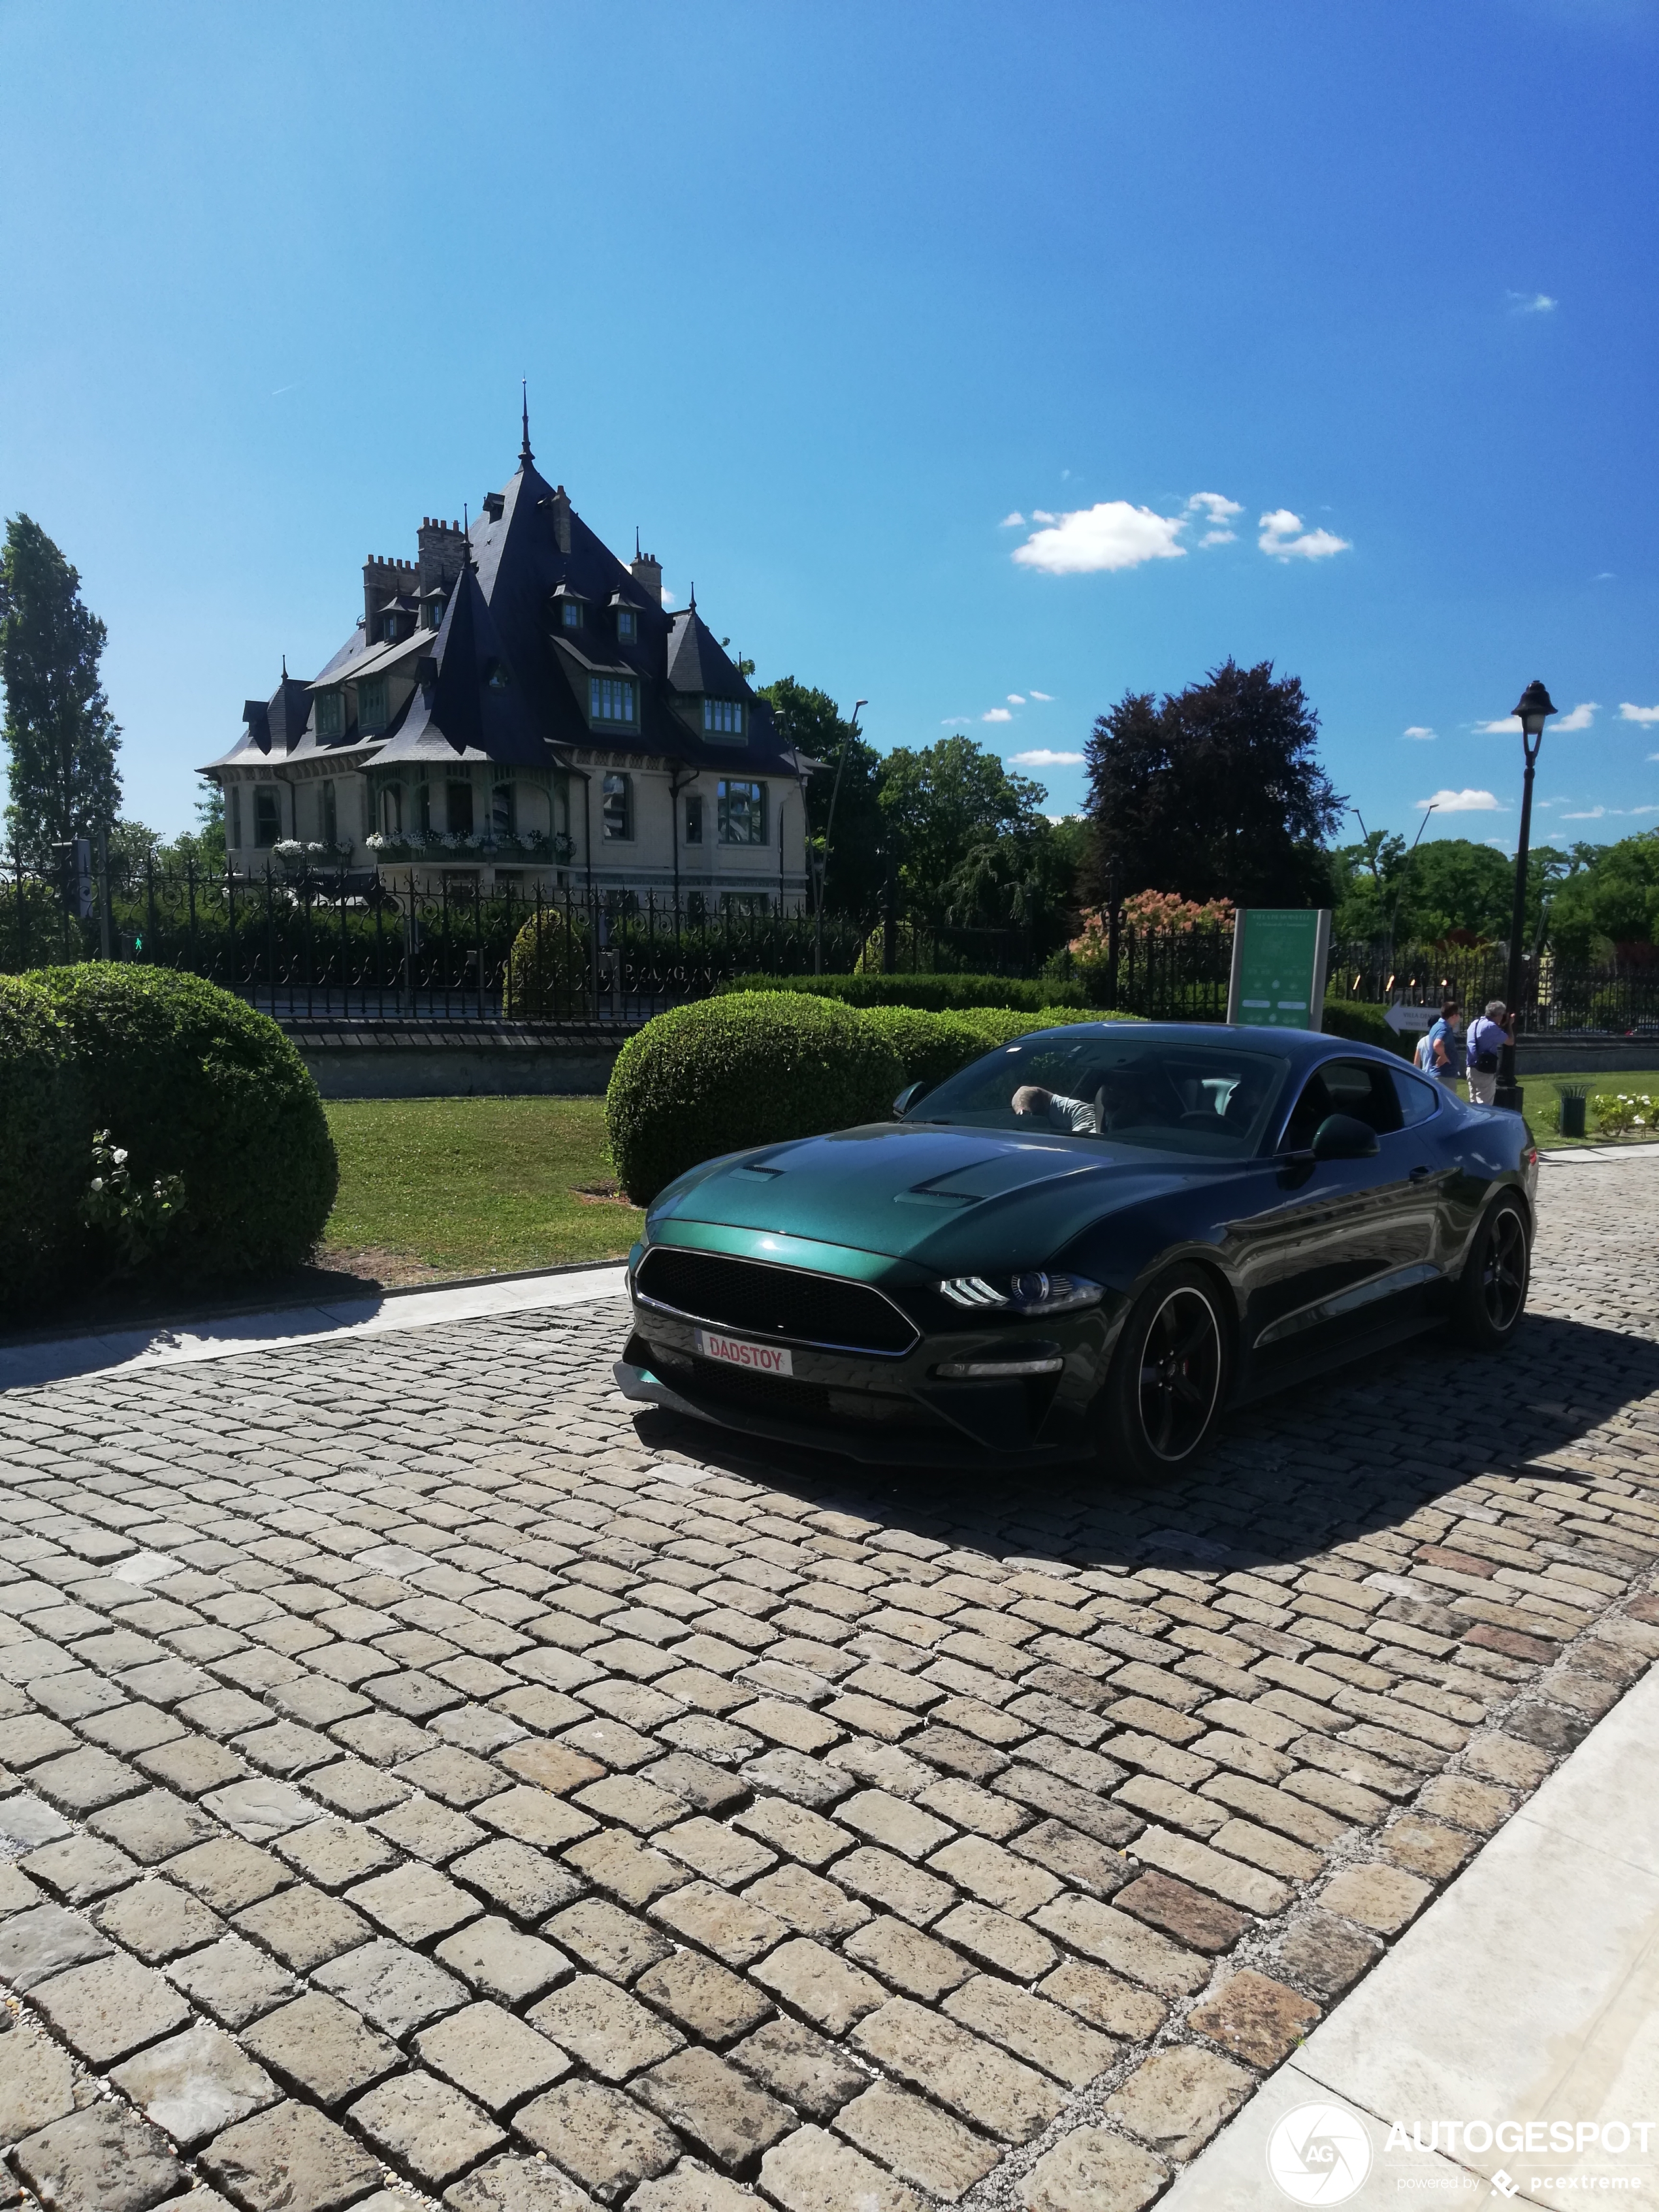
pixel 414 1903
pixel 334 1854
pixel 1102 1932
pixel 396 1987
pixel 502 1963
pixel 101 2160
pixel 920 2142
pixel 84 1780
pixel 426 2126
pixel 710 1788
pixel 352 1786
pixel 37 2082
pixel 812 2172
pixel 512 2184
pixel 33 1738
pixel 720 2111
pixel 321 2048
pixel 17 1892
pixel 719 1853
pixel 557 1766
pixel 607 2030
pixel 794 2063
pixel 1091 2170
pixel 497 2059
pixel 47 1940
pixel 532 1817
pixel 232 1981
pixel 1033 2029
pixel 195 2084
pixel 80 1869
pixel 191 1764
pixel 1253 2018
pixel 1184 1913
pixel 712 2005
pixel 528 1884
pixel 27 1820
pixel 260 1808
pixel 995 1939
pixel 1424 1847
pixel 1175 2099
pixel 810 1906
pixel 970 2076
pixel 153 1826
pixel 790 1774
pixel 107 2010
pixel 1326 1956
pixel 794 1831
pixel 734 1928
pixel 456 1777
pixel 693 2188
pixel 285 1748
pixel 1382 1898
pixel 291 2159
pixel 894 1885
pixel 228 1873
pixel 1196 1864
pixel 893 1823
pixel 304 1927
pixel 611 1941
pixel 832 1992
pixel 602 2139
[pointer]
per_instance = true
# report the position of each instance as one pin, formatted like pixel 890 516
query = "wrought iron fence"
pixel 1618 997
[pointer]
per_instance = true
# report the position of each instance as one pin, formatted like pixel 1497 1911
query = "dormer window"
pixel 496 675
pixel 627 625
pixel 331 714
pixel 372 705
pixel 610 699
pixel 723 717
pixel 570 613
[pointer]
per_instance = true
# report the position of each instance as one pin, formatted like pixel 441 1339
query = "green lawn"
pixel 1541 1103
pixel 434 1187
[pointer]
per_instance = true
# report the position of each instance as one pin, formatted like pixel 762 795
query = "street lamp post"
pixel 1532 710
pixel 821 866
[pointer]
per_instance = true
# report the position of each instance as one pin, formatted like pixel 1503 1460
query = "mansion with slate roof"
pixel 517 707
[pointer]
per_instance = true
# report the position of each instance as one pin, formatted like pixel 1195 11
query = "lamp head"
pixel 1533 708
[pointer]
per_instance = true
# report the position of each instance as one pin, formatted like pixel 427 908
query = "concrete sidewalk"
pixel 1528 1993
pixel 28 1365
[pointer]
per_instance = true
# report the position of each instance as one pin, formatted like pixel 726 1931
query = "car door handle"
pixel 1419 1174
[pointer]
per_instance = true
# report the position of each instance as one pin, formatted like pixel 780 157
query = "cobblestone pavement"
pixel 424 1775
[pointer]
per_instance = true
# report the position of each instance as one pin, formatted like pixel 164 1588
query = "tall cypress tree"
pixel 61 737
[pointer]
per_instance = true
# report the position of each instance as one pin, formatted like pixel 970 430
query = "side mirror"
pixel 907 1097
pixel 1343 1137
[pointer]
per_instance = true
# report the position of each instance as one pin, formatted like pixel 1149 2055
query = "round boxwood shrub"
pixel 930 1047
pixel 45 1144
pixel 752 1069
pixel 195 1083
pixel 996 1027
pixel 547 976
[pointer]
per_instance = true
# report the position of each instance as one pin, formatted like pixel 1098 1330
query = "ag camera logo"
pixel 1319 2154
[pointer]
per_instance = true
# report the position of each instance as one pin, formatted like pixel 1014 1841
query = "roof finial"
pixel 466 537
pixel 526 457
pixel 285 668
pixel 693 598
pixel 636 541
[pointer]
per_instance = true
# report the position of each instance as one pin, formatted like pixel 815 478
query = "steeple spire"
pixel 526 457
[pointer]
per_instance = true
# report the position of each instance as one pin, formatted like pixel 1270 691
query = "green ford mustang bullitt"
pixel 1086 1244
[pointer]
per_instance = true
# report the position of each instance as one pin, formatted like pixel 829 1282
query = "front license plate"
pixel 759 1358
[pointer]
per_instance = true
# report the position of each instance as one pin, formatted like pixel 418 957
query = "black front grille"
pixel 749 1294
pixel 778 1395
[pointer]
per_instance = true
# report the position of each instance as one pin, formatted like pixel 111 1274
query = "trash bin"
pixel 1572 1113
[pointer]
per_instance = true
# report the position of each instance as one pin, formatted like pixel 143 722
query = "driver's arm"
pixel 1075 1115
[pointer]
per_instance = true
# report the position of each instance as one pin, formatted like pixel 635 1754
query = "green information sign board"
pixel 1279 958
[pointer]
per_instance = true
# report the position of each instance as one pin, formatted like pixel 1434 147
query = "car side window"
pixel 1417 1099
pixel 1362 1088
pixel 1310 1110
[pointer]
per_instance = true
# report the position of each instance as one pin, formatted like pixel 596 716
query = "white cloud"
pixel 668 599
pixel 1014 521
pixel 1218 537
pixel 1463 802
pixel 1509 726
pixel 1589 814
pixel 1041 758
pixel 1283 536
pixel 1419 730
pixel 1016 699
pixel 997 715
pixel 1041 514
pixel 1533 303
pixel 1634 811
pixel 1581 717
pixel 1629 713
pixel 1214 508
pixel 954 722
pixel 1044 695
pixel 1110 535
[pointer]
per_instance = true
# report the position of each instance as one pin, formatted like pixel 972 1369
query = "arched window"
pixel 504 811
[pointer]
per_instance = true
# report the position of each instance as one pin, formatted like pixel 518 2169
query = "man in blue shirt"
pixel 1446 1044
pixel 1488 1034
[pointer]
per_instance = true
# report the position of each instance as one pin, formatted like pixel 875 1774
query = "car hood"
pixel 941 1197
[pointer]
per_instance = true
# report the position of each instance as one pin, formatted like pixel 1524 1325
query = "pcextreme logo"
pixel 1319 2154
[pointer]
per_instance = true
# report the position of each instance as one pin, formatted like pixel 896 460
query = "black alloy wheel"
pixel 1166 1385
pixel 1492 1292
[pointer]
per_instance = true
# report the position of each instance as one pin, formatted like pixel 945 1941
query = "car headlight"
pixel 1030 1291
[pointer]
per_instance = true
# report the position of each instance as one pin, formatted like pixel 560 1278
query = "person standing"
pixel 1489 1032
pixel 1445 1053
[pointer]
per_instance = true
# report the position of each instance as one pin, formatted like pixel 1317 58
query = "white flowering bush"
pixel 135 1221
pixel 1622 1114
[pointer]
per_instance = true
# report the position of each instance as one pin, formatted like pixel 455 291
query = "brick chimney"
pixel 442 553
pixel 646 572
pixel 383 579
pixel 560 505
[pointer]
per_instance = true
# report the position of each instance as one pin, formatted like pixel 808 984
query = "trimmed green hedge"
pixel 929 1046
pixel 192 1082
pixel 46 1147
pixel 727 1072
pixel 548 975
pixel 936 994
pixel 999 1027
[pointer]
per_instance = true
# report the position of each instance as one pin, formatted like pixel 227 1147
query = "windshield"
pixel 1156 1094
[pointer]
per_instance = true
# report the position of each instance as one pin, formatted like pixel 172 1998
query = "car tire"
pixel 1168 1378
pixel 1491 1291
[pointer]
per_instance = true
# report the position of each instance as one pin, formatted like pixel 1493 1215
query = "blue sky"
pixel 821 297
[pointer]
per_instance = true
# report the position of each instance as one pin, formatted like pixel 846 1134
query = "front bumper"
pixel 892 1410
